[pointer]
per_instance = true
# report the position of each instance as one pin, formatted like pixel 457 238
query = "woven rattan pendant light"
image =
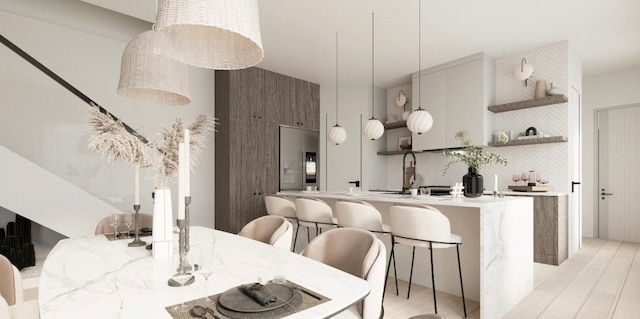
pixel 420 121
pixel 213 34
pixel 148 77
pixel 337 134
pixel 373 129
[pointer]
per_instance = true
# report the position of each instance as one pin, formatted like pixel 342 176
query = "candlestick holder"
pixel 183 246
pixel 136 241
pixel 184 266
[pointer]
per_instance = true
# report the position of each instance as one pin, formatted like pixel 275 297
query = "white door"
pixel 619 173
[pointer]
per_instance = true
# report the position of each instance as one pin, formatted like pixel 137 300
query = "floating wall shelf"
pixel 554 99
pixel 390 126
pixel 541 140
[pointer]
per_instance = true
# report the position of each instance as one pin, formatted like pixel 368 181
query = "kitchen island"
pixel 496 251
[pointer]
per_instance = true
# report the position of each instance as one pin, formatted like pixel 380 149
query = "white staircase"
pixel 35 193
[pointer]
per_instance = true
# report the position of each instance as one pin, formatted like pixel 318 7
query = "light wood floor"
pixel 602 280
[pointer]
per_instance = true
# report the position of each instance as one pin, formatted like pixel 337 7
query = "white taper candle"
pixel 181 173
pixel 187 161
pixel 136 186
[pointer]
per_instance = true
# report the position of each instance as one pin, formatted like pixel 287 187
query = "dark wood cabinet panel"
pixel 250 105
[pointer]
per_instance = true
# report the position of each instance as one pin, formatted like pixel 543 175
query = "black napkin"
pixel 259 293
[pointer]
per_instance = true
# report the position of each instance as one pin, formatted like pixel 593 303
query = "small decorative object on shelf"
pixel 502 137
pixel 541 89
pixel 474 158
pixel 404 143
pixel 553 90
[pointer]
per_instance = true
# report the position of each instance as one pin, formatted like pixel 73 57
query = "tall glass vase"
pixel 162 224
pixel 473 183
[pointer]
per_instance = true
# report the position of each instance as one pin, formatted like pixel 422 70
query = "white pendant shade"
pixel 420 121
pixel 373 129
pixel 337 135
pixel 148 77
pixel 523 71
pixel 214 34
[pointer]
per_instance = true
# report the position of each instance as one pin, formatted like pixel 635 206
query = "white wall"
pixel 601 92
pixel 356 158
pixel 46 124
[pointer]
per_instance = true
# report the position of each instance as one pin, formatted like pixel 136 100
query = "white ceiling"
pixel 299 35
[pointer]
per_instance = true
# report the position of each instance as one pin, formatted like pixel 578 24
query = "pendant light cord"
pixel 419 55
pixel 373 117
pixel 337 79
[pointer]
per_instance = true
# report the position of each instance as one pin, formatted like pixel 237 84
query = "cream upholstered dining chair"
pixel 271 229
pixel 359 253
pixel 12 304
pixel 103 227
pixel 360 214
pixel 314 213
pixel 425 226
pixel 281 206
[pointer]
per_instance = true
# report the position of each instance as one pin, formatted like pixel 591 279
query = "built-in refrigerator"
pixel 298 160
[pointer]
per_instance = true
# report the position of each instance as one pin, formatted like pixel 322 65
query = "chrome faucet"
pixel 405 179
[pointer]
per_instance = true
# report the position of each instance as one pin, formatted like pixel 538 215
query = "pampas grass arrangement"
pixel 111 140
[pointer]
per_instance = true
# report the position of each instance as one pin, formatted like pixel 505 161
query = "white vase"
pixel 554 90
pixel 162 224
pixel 541 89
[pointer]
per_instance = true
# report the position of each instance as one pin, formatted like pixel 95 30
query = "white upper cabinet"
pixel 457 95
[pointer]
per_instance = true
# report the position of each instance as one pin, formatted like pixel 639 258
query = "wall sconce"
pixel 523 72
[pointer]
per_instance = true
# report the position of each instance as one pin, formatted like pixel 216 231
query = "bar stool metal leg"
pixel 464 304
pixel 413 257
pixel 433 278
pixel 392 256
pixel 296 237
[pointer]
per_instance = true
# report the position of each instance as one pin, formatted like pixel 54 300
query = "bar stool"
pixel 360 214
pixel 314 213
pixel 281 206
pixel 425 226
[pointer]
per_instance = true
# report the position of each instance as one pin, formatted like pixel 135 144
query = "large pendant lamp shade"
pixel 373 129
pixel 420 121
pixel 148 77
pixel 213 34
pixel 337 135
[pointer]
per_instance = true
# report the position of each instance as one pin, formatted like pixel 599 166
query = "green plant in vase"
pixel 474 158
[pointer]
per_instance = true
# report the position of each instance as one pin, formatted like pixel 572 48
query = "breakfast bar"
pixel 496 251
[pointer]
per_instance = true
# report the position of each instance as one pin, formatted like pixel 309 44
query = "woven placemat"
pixel 303 299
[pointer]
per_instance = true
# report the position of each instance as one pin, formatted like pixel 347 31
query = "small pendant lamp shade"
pixel 337 135
pixel 148 77
pixel 213 34
pixel 420 121
pixel 373 129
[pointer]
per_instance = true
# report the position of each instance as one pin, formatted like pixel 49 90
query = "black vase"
pixel 473 184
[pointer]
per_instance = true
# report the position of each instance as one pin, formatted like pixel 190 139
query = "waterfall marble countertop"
pixel 496 251
pixel 91 277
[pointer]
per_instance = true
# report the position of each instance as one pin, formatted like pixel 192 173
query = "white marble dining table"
pixel 92 277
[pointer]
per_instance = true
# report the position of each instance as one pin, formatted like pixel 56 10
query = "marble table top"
pixel 91 277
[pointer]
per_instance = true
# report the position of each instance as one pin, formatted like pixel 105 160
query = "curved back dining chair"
pixel 103 227
pixel 281 206
pixel 425 226
pixel 362 215
pixel 314 213
pixel 12 295
pixel 271 229
pixel 359 253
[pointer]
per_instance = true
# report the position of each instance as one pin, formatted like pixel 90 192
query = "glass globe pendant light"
pixel 420 121
pixel 337 134
pixel 374 128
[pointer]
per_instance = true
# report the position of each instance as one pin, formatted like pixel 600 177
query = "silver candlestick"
pixel 137 242
pixel 183 246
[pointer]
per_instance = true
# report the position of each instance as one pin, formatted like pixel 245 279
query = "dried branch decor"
pixel 111 140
